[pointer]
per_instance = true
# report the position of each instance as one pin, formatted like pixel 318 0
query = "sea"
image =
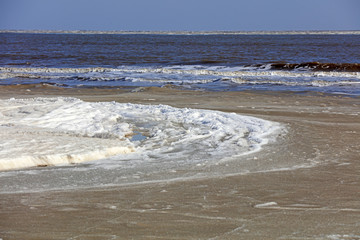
pixel 326 62
pixel 57 143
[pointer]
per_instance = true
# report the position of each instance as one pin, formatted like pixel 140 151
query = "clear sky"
pixel 177 15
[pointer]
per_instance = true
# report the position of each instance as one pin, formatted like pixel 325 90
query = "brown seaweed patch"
pixel 42 165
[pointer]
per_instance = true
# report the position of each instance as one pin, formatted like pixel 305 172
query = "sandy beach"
pixel 315 196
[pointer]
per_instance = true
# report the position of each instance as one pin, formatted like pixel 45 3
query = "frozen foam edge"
pixel 59 159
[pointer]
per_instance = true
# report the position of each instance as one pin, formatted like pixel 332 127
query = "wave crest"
pixel 295 75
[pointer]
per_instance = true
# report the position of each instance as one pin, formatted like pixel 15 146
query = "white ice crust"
pixel 52 131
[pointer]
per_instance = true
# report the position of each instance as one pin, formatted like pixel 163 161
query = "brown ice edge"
pixel 320 201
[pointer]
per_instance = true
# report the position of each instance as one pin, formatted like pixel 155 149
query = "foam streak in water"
pixel 191 74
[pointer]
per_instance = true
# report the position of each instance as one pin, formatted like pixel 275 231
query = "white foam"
pixel 51 131
pixel 265 205
pixel 343 236
pixel 177 73
pixel 184 75
pixel 290 82
pixel 58 131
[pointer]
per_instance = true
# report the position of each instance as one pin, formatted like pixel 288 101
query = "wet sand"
pixel 320 200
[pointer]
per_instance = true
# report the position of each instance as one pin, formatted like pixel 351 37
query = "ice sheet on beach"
pixel 42 132
pixel 52 131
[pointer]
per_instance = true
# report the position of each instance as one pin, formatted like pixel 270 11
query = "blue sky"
pixel 191 15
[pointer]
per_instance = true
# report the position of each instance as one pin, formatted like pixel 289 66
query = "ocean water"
pixel 326 63
pixel 66 143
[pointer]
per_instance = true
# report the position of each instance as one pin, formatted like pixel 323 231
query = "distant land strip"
pixel 313 32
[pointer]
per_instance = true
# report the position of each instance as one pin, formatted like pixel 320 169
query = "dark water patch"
pixel 317 66
pixel 200 62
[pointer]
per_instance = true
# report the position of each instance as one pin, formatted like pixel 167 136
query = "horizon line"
pixel 183 32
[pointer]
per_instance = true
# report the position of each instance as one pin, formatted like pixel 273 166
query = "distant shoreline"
pixel 312 32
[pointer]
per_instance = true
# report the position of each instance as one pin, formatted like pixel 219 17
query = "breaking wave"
pixel 276 74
